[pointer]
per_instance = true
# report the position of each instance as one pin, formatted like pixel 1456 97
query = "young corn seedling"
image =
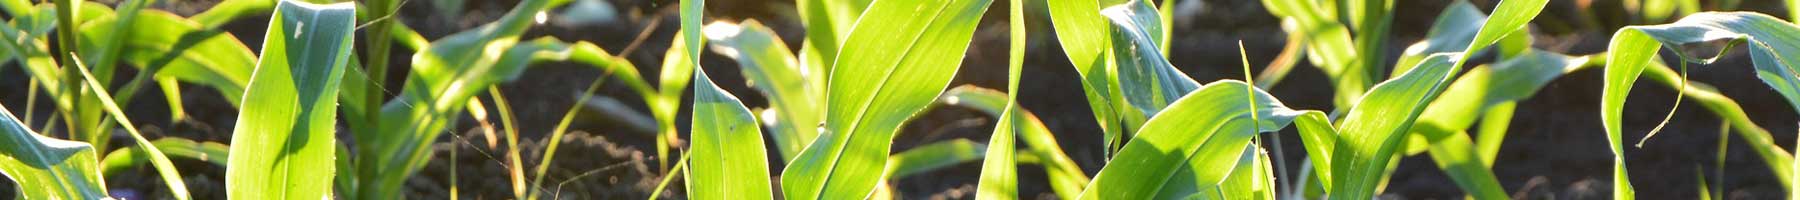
pixel 837 104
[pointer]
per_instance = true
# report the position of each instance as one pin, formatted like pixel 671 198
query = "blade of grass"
pixel 669 177
pixel 513 158
pixel 555 140
pixel 861 118
pixel 164 168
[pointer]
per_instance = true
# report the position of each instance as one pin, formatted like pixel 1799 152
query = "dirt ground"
pixel 1555 149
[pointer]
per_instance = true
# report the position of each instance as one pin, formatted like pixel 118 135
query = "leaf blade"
pixel 284 145
pixel 861 118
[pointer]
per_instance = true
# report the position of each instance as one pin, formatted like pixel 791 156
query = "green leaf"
pixel 1778 160
pixel 1171 158
pixel 1066 178
pixel 182 49
pixel 1147 81
pixel 1086 39
pixel 1328 43
pixel 45 167
pixel 229 10
pixel 1373 129
pixel 876 87
pixel 774 71
pixel 124 159
pixel 285 143
pixel 933 156
pixel 827 23
pixel 1442 126
pixel 471 61
pixel 1250 178
pixel 1454 29
pixel 999 171
pixel 1772 49
pixel 171 177
pixel 727 156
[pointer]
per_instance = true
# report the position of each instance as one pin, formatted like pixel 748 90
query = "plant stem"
pixel 377 56
pixel 65 41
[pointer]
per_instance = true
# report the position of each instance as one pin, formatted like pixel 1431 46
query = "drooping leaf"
pixel 284 145
pixel 774 71
pixel 1145 77
pixel 727 160
pixel 1772 49
pixel 876 87
pixel 1778 160
pixel 1179 152
pixel 45 167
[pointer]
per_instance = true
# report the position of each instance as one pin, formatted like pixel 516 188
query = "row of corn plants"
pixel 836 104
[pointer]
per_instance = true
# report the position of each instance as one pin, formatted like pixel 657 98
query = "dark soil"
pixel 587 167
pixel 1555 149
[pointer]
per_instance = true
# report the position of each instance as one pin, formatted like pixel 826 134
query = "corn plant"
pixel 863 71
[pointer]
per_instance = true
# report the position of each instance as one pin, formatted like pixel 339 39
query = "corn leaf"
pixel 1371 131
pixel 933 156
pixel 774 71
pixel 876 87
pixel 1442 125
pixel 999 172
pixel 471 61
pixel 1086 39
pixel 181 49
pixel 1066 178
pixel 1778 160
pixel 47 168
pixel 727 160
pixel 1170 158
pixel 827 23
pixel 1771 45
pixel 1145 77
pixel 285 141
pixel 1328 43
pixel 123 159
pixel 1249 179
pixel 1454 29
